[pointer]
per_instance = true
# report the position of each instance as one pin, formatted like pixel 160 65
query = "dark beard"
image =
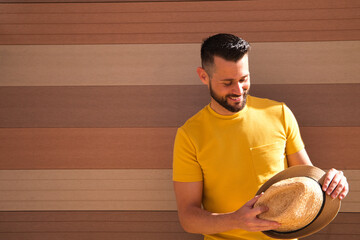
pixel 223 101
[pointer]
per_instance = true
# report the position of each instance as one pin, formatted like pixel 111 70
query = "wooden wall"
pixel 91 95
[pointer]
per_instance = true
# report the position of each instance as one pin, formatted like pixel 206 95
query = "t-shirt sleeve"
pixel 294 142
pixel 185 165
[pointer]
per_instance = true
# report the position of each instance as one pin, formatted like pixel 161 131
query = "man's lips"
pixel 235 98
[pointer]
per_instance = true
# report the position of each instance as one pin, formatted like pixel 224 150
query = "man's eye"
pixel 227 84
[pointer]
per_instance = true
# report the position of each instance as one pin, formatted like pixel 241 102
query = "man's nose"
pixel 238 89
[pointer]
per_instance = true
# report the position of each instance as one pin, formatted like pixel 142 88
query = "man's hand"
pixel 335 184
pixel 248 220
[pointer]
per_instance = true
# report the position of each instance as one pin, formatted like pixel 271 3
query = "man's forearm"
pixel 197 220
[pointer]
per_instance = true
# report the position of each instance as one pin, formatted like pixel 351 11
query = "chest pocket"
pixel 268 160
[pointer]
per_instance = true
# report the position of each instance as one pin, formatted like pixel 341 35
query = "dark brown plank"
pixel 183 27
pixel 164 106
pixel 335 147
pixel 177 6
pixel 181 22
pixel 99 235
pixel 180 17
pixel 105 148
pixel 136 148
pixel 17 225
pixel 92 225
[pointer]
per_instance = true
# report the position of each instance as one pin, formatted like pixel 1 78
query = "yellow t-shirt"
pixel 234 155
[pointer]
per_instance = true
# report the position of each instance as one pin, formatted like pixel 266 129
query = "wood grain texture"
pixel 163 106
pixel 100 190
pixel 178 6
pixel 173 64
pixel 176 28
pixel 82 148
pixel 138 148
pixel 176 38
pixel 179 17
pixel 142 27
pixel 17 225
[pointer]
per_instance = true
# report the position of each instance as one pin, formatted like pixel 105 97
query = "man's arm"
pixel 194 219
pixel 335 183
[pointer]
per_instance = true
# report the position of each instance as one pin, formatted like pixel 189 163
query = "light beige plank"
pixel 86 205
pixel 305 63
pixel 178 38
pixel 173 64
pixel 114 174
pixel 31 190
pixel 86 195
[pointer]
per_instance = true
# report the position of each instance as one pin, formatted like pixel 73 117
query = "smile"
pixel 236 99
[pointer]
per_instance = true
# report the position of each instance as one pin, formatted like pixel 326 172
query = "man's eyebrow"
pixel 232 79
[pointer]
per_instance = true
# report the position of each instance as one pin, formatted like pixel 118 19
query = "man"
pixel 224 153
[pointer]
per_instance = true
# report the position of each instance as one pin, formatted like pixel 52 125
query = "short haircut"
pixel 226 46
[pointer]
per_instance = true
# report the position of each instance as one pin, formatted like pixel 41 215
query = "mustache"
pixel 236 95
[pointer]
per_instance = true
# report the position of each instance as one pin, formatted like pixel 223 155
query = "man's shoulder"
pixel 196 119
pixel 264 103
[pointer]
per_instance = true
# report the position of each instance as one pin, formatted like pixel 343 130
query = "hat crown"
pixel 293 202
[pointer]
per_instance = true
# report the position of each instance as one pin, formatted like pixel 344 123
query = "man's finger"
pixel 265 225
pixel 328 177
pixel 335 182
pixel 260 209
pixel 253 201
pixel 339 188
pixel 345 191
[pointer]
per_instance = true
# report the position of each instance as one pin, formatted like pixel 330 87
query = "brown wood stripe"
pixel 261 25
pixel 133 189
pixel 99 235
pixel 175 38
pixel 102 225
pixel 163 106
pixel 173 28
pixel 184 16
pixel 137 148
pixel 177 6
pixel 335 143
pixel 44 190
pixel 113 65
pixel 82 148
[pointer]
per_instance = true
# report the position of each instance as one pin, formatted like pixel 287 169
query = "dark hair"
pixel 226 46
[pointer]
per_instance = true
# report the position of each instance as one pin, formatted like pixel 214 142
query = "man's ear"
pixel 204 77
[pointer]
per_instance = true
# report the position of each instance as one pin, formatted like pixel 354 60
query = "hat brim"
pixel 328 212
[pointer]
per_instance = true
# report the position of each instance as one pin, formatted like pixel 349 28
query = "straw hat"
pixel 295 199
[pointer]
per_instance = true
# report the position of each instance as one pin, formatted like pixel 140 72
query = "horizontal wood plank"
pixel 177 38
pixel 310 25
pixel 17 225
pixel 163 106
pixel 177 6
pixel 175 28
pixel 62 148
pixel 100 235
pixel 146 64
pixel 183 16
pixel 62 190
pixel 137 148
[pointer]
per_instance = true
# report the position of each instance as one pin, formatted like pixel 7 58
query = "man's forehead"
pixel 223 65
